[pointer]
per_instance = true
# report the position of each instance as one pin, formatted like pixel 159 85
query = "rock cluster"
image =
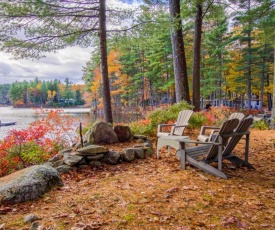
pixel 92 155
pixel 31 183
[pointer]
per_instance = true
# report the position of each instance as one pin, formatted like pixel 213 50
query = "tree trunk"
pixel 249 64
pixel 179 60
pixel 107 108
pixel 197 58
pixel 262 85
pixel 272 125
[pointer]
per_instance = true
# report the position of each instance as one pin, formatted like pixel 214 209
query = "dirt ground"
pixel 157 194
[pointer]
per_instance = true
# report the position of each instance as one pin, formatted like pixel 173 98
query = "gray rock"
pixel 47 164
pixel 82 162
pixel 35 226
pixel 101 132
pixel 139 153
pixel 94 163
pixel 30 218
pixel 64 169
pixel 111 158
pixel 140 137
pixel 70 159
pixel 129 154
pixel 95 157
pixel 28 184
pixel 83 167
pixel 123 133
pixel 148 151
pixel 92 150
pixel 58 163
pixel 57 157
pixel 148 143
pixel 139 140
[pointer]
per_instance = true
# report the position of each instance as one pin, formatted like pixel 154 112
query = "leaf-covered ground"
pixel 157 194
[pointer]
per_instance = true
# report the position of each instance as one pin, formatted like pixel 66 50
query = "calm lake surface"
pixel 24 117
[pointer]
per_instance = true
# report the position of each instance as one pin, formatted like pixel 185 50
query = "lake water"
pixel 24 117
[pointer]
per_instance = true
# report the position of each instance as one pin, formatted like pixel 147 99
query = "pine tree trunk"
pixel 248 80
pixel 197 58
pixel 180 67
pixel 262 85
pixel 272 125
pixel 107 108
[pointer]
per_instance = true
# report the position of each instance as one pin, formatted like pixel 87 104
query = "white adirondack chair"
pixel 177 129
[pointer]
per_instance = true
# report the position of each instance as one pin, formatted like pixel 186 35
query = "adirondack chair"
pixel 176 130
pixel 221 148
pixel 205 136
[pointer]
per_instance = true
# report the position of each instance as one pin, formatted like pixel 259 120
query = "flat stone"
pixel 64 169
pixel 71 160
pixel 95 157
pixel 30 218
pixel 92 150
pixel 140 137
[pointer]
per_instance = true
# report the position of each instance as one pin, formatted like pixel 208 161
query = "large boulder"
pixel 123 133
pixel 101 132
pixel 28 184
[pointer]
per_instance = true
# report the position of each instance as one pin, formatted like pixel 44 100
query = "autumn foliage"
pixel 41 140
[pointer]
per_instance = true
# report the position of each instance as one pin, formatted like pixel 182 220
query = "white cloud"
pixel 64 63
pixel 60 65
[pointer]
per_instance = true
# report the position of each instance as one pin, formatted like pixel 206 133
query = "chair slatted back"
pixel 226 128
pixel 239 116
pixel 183 119
pixel 243 126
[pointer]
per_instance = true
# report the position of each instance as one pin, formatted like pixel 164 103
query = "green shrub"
pixel 261 125
pixel 197 120
pixel 161 115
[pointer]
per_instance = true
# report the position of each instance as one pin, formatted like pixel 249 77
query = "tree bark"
pixel 272 124
pixel 197 58
pixel 107 108
pixel 249 63
pixel 179 60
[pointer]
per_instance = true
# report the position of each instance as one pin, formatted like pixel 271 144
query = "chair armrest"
pixel 160 126
pixel 204 128
pixel 179 126
pixel 199 142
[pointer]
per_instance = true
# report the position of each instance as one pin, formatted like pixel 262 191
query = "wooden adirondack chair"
pixel 205 137
pixel 176 130
pixel 221 148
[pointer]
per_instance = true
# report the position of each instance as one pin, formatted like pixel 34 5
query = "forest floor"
pixel 157 194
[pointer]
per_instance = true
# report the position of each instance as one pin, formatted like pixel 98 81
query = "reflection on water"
pixel 24 117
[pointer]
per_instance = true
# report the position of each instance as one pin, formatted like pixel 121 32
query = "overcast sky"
pixel 65 63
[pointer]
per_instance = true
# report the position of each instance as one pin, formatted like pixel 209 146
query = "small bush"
pixel 261 125
pixel 161 115
pixel 197 120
